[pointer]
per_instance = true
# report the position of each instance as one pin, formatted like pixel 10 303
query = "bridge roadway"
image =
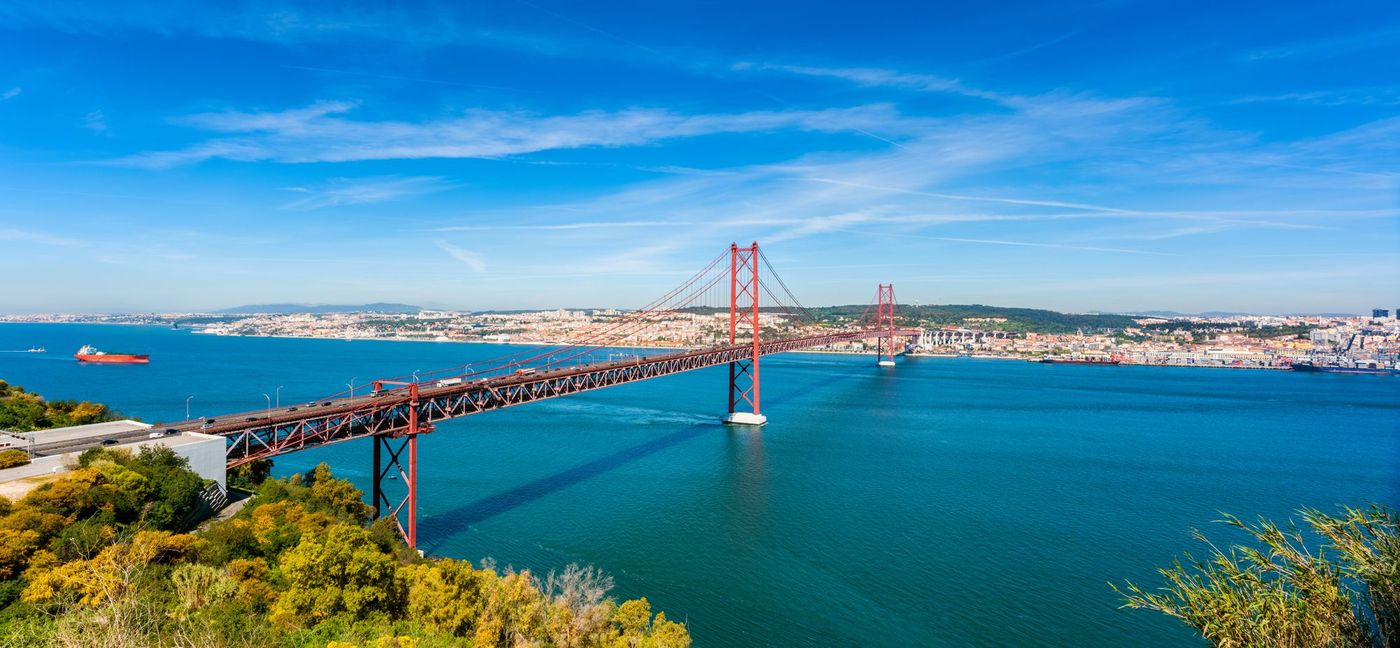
pixel 261 434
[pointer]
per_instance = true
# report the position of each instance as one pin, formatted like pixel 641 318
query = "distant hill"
pixel 1175 314
pixel 1171 314
pixel 1017 319
pixel 325 308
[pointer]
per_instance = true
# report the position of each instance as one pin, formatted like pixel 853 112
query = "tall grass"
pixel 1334 583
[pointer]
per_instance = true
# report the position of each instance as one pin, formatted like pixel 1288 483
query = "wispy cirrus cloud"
pixel 95 121
pixel 558 227
pixel 322 132
pixel 1057 246
pixel 413 24
pixel 1377 96
pixel 11 93
pixel 473 260
pixel 877 77
pixel 41 238
pixel 340 192
pixel 1328 46
pixel 943 184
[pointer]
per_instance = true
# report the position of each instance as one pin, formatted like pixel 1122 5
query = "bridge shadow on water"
pixel 445 525
pixel 449 523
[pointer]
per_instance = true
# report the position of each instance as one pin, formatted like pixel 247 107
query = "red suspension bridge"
pixel 395 412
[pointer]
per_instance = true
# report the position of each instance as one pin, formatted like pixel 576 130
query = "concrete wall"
pixel 206 455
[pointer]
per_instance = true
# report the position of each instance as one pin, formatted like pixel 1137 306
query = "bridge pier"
pixel 396 458
pixel 743 374
pixel 404 510
pixel 744 418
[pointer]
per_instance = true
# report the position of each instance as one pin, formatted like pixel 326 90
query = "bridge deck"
pixel 256 435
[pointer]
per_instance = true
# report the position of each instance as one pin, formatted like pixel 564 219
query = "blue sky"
pixel 1076 156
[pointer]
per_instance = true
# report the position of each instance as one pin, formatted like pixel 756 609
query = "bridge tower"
pixel 396 458
pixel 884 319
pixel 743 308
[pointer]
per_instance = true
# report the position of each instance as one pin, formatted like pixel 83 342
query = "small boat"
pixel 36 349
pixel 90 354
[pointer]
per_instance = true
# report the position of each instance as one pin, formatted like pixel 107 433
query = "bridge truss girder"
pixel 397 417
pixel 390 414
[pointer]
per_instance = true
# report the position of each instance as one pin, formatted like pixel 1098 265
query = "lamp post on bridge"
pixel 278 393
pixel 187 406
pixel 351 385
pixel 269 405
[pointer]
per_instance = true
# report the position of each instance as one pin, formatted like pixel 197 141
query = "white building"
pixel 55 451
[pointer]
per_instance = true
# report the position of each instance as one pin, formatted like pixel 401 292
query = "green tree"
pixel 177 488
pixel 341 571
pixel 634 627
pixel 339 496
pixel 513 612
pixel 1345 592
pixel 250 475
pixel 447 595
pixel 22 411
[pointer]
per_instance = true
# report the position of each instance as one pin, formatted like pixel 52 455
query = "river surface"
pixel 945 502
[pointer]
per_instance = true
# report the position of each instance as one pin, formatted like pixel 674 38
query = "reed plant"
pixel 1333 582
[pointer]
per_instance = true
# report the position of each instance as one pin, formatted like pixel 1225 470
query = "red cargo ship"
pixel 90 354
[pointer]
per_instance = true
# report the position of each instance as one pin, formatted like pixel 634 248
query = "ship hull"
pixel 1345 370
pixel 113 358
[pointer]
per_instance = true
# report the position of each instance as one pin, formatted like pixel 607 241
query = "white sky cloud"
pixel 473 260
pixel 340 192
pixel 323 133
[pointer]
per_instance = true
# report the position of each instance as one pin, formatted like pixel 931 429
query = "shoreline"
pixel 196 330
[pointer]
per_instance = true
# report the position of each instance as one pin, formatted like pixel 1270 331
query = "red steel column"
pixel 753 259
pixel 378 475
pixel 892 322
pixel 413 466
pixel 733 318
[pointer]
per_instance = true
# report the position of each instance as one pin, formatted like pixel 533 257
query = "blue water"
pixel 946 502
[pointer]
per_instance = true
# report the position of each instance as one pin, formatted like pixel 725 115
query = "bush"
pixel 1344 593
pixel 12 458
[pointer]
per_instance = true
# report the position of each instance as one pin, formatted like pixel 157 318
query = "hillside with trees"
pixel 22 411
pixel 104 555
pixel 992 318
pixel 986 318
pixel 98 558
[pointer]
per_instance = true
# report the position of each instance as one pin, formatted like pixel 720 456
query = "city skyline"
pixel 1112 157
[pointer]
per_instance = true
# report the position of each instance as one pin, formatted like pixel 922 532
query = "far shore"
pixel 195 329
